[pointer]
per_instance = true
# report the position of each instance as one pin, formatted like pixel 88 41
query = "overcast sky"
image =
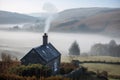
pixel 32 6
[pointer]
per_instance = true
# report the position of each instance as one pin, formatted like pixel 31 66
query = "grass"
pixel 114 79
pixel 112 69
pixel 91 58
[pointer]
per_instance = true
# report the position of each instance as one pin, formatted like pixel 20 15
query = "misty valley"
pixel 73 44
pixel 21 42
pixel 18 43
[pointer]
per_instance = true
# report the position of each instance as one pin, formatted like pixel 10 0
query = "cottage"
pixel 45 54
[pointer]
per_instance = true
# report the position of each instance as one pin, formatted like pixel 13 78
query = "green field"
pixel 112 69
pixel 91 58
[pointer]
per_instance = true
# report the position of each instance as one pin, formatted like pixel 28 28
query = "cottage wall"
pixel 32 58
pixel 55 65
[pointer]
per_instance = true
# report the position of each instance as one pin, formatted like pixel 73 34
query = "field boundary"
pixel 103 62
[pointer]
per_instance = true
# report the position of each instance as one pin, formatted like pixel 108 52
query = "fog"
pixel 22 42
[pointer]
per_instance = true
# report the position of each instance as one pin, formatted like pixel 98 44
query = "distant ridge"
pixel 105 21
pixel 13 18
pixel 89 20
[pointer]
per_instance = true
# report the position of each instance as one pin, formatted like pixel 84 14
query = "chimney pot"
pixel 45 39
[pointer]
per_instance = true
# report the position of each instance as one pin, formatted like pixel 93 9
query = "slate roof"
pixel 48 52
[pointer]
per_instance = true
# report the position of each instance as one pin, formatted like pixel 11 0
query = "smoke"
pixel 52 11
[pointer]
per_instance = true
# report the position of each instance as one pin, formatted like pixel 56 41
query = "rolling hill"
pixel 90 20
pixel 86 20
pixel 13 18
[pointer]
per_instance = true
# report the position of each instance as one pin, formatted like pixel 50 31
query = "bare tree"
pixel 6 57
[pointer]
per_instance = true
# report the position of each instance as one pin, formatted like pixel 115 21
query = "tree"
pixel 112 43
pixel 99 49
pixel 74 49
pixel 110 49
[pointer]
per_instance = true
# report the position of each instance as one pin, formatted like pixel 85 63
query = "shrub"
pixel 15 77
pixel 114 76
pixel 66 68
pixel 57 78
pixel 37 70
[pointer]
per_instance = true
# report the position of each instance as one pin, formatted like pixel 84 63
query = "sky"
pixel 33 6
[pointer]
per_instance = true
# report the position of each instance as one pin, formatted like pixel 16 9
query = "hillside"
pixel 13 18
pixel 93 20
pixel 86 20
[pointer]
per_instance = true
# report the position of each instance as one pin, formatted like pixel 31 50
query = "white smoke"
pixel 52 11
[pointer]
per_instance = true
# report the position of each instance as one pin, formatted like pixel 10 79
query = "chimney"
pixel 45 39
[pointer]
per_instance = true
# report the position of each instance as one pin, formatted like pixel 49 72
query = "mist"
pixel 22 42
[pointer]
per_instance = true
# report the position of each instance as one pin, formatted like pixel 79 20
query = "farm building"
pixel 45 54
